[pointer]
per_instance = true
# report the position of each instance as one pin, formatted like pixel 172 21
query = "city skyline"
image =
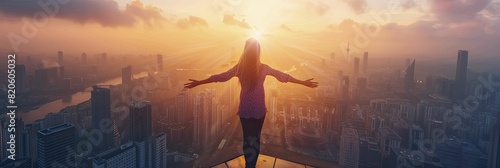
pixel 103 83
pixel 301 25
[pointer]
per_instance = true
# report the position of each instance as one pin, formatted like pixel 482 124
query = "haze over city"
pixel 395 78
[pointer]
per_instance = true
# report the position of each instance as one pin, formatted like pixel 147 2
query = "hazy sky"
pixel 403 28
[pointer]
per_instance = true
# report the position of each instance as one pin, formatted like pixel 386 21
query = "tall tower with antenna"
pixel 348 49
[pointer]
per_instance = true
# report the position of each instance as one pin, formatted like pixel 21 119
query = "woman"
pixel 252 109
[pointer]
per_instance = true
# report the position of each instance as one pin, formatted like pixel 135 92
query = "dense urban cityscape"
pixel 358 117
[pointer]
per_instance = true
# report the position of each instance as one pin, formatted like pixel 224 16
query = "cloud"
pixel 103 12
pixel 358 6
pixel 408 4
pixel 230 20
pixel 191 21
pixel 149 14
pixel 457 10
pixel 318 7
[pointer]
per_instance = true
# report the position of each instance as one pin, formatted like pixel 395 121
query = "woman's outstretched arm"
pixel 195 83
pixel 308 82
pixel 283 77
pixel 222 77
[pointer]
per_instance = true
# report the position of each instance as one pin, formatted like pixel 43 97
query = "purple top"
pixel 252 103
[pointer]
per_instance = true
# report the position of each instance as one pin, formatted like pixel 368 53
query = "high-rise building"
pixel 416 137
pixel 84 58
pixel 159 62
pixel 159 154
pixel 20 78
pixel 54 75
pixel 345 87
pixel 4 122
pixel 461 74
pixel 209 110
pixel 349 148
pixel 61 72
pixel 42 77
pixel 199 120
pixel 369 156
pixel 494 153
pixel 123 156
pixel 30 134
pixel 60 58
pixel 410 77
pixel 182 104
pixel 143 157
pixel 356 66
pixel 140 121
pixel 127 75
pixel 365 62
pixel 53 145
pixel 273 102
pixel 101 115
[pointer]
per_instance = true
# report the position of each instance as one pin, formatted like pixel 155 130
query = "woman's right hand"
pixel 192 84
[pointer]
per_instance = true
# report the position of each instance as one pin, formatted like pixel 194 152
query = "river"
pixel 76 98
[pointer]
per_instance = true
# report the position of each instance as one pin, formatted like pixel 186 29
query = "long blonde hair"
pixel 248 68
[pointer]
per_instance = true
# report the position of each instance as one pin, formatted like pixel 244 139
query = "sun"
pixel 257 35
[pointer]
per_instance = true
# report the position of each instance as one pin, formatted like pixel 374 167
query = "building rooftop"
pixel 55 129
pixel 114 151
pixel 389 133
pixel 264 161
pixel 140 104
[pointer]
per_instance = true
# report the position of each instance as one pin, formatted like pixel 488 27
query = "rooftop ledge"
pixel 264 161
pixel 267 159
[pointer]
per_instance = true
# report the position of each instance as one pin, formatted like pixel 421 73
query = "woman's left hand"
pixel 310 83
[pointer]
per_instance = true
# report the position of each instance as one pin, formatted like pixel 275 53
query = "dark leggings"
pixel 251 139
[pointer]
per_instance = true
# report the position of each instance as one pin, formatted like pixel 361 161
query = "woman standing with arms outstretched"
pixel 252 109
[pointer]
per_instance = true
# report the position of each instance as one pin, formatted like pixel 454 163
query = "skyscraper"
pixel 101 115
pixel 345 87
pixel 494 153
pixel 42 77
pixel 208 109
pixel 199 121
pixel 53 145
pixel 349 148
pixel 182 104
pixel 61 72
pixel 84 58
pixel 159 154
pixel 159 62
pixel 127 75
pixel 365 62
pixel 356 66
pixel 60 58
pixel 140 121
pixel 461 74
pixel 409 77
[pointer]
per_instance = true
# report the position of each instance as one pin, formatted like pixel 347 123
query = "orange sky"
pixel 413 28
